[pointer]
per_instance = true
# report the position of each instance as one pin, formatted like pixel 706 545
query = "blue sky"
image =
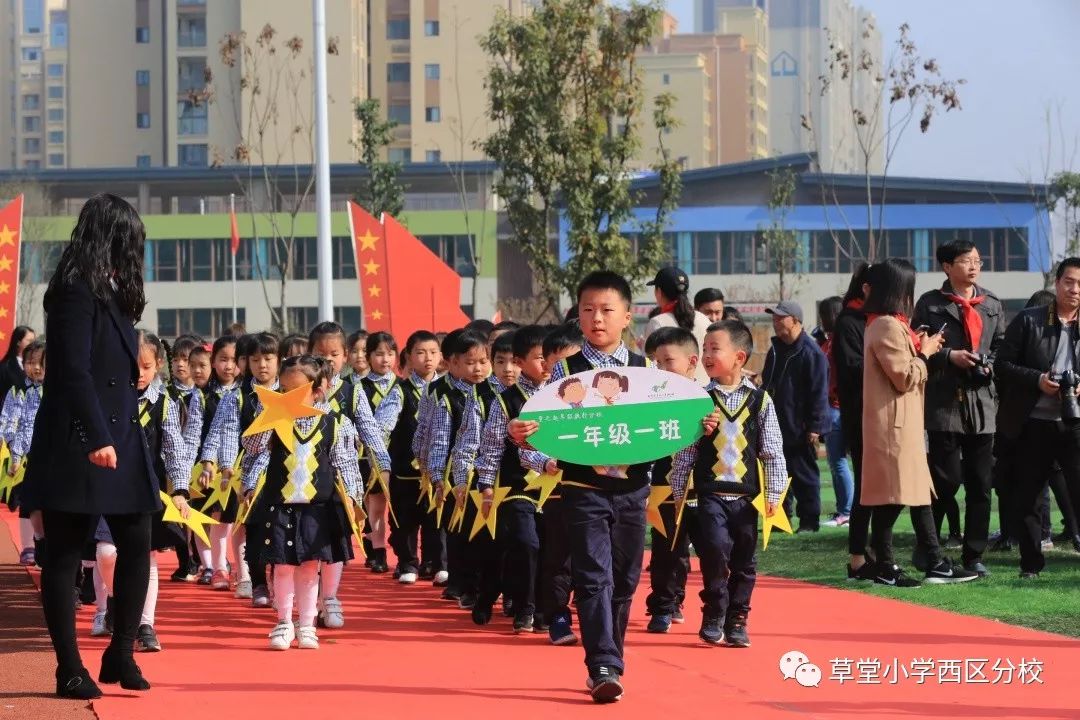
pixel 1017 58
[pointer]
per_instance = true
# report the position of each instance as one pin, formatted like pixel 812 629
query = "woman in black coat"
pixel 11 369
pixel 88 456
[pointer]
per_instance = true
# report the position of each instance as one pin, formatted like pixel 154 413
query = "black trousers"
pixel 805 493
pixel 956 460
pixel 883 518
pixel 66 534
pixel 1043 443
pixel 859 520
pixel 555 580
pixel 255 536
pixel 519 541
pixel 405 521
pixel 433 537
pixel 606 531
pixel 725 537
pixel 669 563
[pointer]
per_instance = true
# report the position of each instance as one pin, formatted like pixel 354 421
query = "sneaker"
pixel 836 520
pixel 953 542
pixel 659 624
pixel 427 571
pixel 307 638
pixel 735 634
pixel 944 572
pixel 677 616
pixel 1029 576
pixel 803 529
pixel 865 573
pixel 206 577
pixel 407 578
pixel 1047 544
pixel 978 568
pixel 180 575
pixel 332 615
pixel 243 590
pixel 378 561
pixel 467 601
pixel 109 615
pixel 507 607
pixel 524 624
pixel 26 557
pixel 1002 544
pixel 451 594
pixel 894 576
pixel 282 636
pixel 604 685
pixel 481 615
pixel 561 630
pixel 710 631
pixel 260 596
pixel 146 639
pixel 441 579
pixel 397 573
pixel 540 623
pixel 219 580
pixel 97 627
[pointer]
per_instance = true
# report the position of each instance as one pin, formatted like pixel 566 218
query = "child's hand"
pixel 104 457
pixel 440 490
pixel 459 493
pixel 551 467
pixel 385 475
pixel 520 430
pixel 770 508
pixel 226 474
pixel 248 494
pixel 181 504
pixel 711 422
pixel 487 495
pixel 13 468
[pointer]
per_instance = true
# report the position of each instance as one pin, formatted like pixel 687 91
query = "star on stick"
pixel 222 489
pixel 194 489
pixel 440 504
pixel 545 483
pixel 356 522
pixel 281 411
pixel 489 521
pixel 195 519
pixel 245 507
pixel 680 506
pixel 426 491
pixel 657 495
pixel 779 518
pixel 376 478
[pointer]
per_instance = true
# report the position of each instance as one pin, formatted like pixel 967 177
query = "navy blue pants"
pixel 725 537
pixel 405 522
pixel 606 531
pixel 668 568
pixel 519 541
pixel 805 494
pixel 554 585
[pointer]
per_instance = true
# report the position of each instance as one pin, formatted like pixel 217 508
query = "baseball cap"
pixel 672 281
pixel 787 308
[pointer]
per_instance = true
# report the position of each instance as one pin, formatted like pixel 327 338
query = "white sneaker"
pixel 98 629
pixel 407 578
pixel 307 639
pixel 282 636
pixel 332 615
pixel 441 578
pixel 243 590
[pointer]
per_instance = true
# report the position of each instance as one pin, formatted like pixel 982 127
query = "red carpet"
pixel 407 654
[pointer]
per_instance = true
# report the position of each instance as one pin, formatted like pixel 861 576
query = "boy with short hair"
pixel 725 534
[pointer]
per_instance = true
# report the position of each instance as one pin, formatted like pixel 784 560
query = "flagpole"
pixel 232 212
pixel 322 168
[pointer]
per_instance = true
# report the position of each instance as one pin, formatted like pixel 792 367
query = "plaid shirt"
pixel 228 411
pixel 598 359
pixel 386 414
pixel 439 426
pixel 363 424
pixel 492 444
pixel 770 444
pixel 185 390
pixel 9 415
pixel 467 442
pixel 423 419
pixel 174 451
pixel 24 429
pixel 342 452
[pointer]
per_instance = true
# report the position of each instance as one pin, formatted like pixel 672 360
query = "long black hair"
pixel 684 311
pixel 892 288
pixel 17 336
pixel 106 249
pixel 858 279
pixel 828 309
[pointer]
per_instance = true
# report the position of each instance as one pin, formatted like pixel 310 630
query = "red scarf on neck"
pixel 856 303
pixel 904 321
pixel 973 323
pixel 669 308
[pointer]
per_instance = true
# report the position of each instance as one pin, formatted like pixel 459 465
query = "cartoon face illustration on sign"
pixel 572 392
pixel 610 385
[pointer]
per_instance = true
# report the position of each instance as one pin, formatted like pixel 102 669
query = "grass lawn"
pixel 1051 603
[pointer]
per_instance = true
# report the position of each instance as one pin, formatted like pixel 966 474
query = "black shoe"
pixel 77 687
pixel 735 634
pixel 807 529
pixel 1002 544
pixel 146 639
pixel 179 575
pixel 378 561
pixel 398 572
pixel 87 592
pixel 467 601
pixel 604 685
pixel 369 553
pixel 1029 576
pixel 507 607
pixel 40 548
pixel 920 558
pixel 945 573
pixel 1076 543
pixel 524 624
pixel 953 542
pixel 865 573
pixel 116 668
pixel 978 568
pixel 481 616
pixel 710 631
pixel 109 614
pixel 206 578
pixel 540 623
pixel 894 576
pixel 677 616
pixel 451 594
pixel 427 571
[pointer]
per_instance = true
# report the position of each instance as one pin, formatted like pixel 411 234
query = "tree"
pixel 566 99
pixel 1056 197
pixel 782 244
pixel 905 86
pixel 381 192
pixel 1063 196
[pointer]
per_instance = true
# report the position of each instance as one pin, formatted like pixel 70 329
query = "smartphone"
pixel 923 329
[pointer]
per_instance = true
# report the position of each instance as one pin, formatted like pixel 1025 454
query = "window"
pixel 142 78
pixel 192 155
pixel 31 123
pixel 397 29
pixel 399 155
pixel 431 28
pixel 142 35
pixel 431 71
pixel 31 146
pixel 401 114
pixel 192 118
pixel 432 114
pixel 31 102
pixel 433 156
pixel 31 54
pixel 56 92
pixel 397 72
pixel 192 74
pixel 56 159
pixel 142 120
pixel 305 258
pixel 306 317
pixel 56 137
pixel 33 16
pixel 454 250
pixel 705 255
pixel 191 31
pixel 55 70
pixel 58 28
pixel 31 164
pixel 56 115
pixel 208 322
pixel 666 79
pixel 142 161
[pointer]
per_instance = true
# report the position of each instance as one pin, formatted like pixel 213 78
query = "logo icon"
pixel 660 387
pixel 795 665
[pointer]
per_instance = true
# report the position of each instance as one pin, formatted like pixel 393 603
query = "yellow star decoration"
pixel 220 493
pixel 194 490
pixel 440 505
pixel 7 236
pixel 195 519
pixel 778 520
pixel 3 312
pixel 489 522
pixel 457 518
pixel 374 291
pixel 4 288
pixel 545 483
pixel 245 507
pixel 356 520
pixel 5 479
pixel 281 411
pixel 371 268
pixel 5 263
pixel 367 241
pixel 376 314
pixel 680 506
pixel 426 491
pixel 657 495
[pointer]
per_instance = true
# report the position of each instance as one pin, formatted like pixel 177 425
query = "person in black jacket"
pixel 11 369
pixel 796 374
pixel 1036 362
pixel 88 457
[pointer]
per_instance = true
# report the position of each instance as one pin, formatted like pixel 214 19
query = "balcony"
pixel 194 38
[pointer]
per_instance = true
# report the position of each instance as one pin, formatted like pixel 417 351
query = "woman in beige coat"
pixel 895 472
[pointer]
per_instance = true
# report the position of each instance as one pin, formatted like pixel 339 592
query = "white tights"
pixel 301 583
pixel 330 579
pixel 103 581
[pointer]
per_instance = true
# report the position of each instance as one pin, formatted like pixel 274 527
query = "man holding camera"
pixel 961 401
pixel 1037 364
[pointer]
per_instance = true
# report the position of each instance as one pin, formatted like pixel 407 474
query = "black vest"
pixel 446 395
pixel 400 447
pixel 342 402
pixel 324 477
pixel 511 473
pixel 152 418
pixel 637 475
pixel 248 400
pixel 744 476
pixel 211 400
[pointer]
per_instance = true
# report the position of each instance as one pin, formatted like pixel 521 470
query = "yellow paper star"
pixel 7 236
pixel 778 520
pixel 5 263
pixel 195 519
pixel 374 291
pixel 457 518
pixel 440 505
pixel 356 523
pixel 245 507
pixel 194 489
pixel 426 491
pixel 376 478
pixel 367 241
pixel 480 521
pixel 281 411
pixel 657 495
pixel 371 268
pixel 680 506
pixel 545 483
pixel 376 314
pixel 220 493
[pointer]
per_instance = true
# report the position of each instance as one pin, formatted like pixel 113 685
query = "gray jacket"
pixel 956 401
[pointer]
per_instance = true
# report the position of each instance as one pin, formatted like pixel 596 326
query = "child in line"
pixel 292 345
pixel 724 530
pixel 199 367
pixel 180 387
pixel 21 407
pixel 308 523
pixel 358 357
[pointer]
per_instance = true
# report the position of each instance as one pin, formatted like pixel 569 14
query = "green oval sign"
pixel 617 416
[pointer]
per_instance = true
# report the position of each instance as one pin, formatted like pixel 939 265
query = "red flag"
pixel 10 242
pixel 369 244
pixel 235 232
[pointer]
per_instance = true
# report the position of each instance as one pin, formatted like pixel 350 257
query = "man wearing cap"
pixel 796 375
pixel 674 309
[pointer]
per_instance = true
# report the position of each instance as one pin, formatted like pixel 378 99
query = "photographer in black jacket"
pixel 1037 364
pixel 961 400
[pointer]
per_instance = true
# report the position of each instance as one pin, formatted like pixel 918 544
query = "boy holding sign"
pixel 725 534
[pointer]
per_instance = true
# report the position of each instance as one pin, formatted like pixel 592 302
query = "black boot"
pixel 121 668
pixel 87 592
pixel 369 553
pixel 77 685
pixel 378 561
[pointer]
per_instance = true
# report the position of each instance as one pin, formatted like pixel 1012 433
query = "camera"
pixel 982 372
pixel 1070 409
